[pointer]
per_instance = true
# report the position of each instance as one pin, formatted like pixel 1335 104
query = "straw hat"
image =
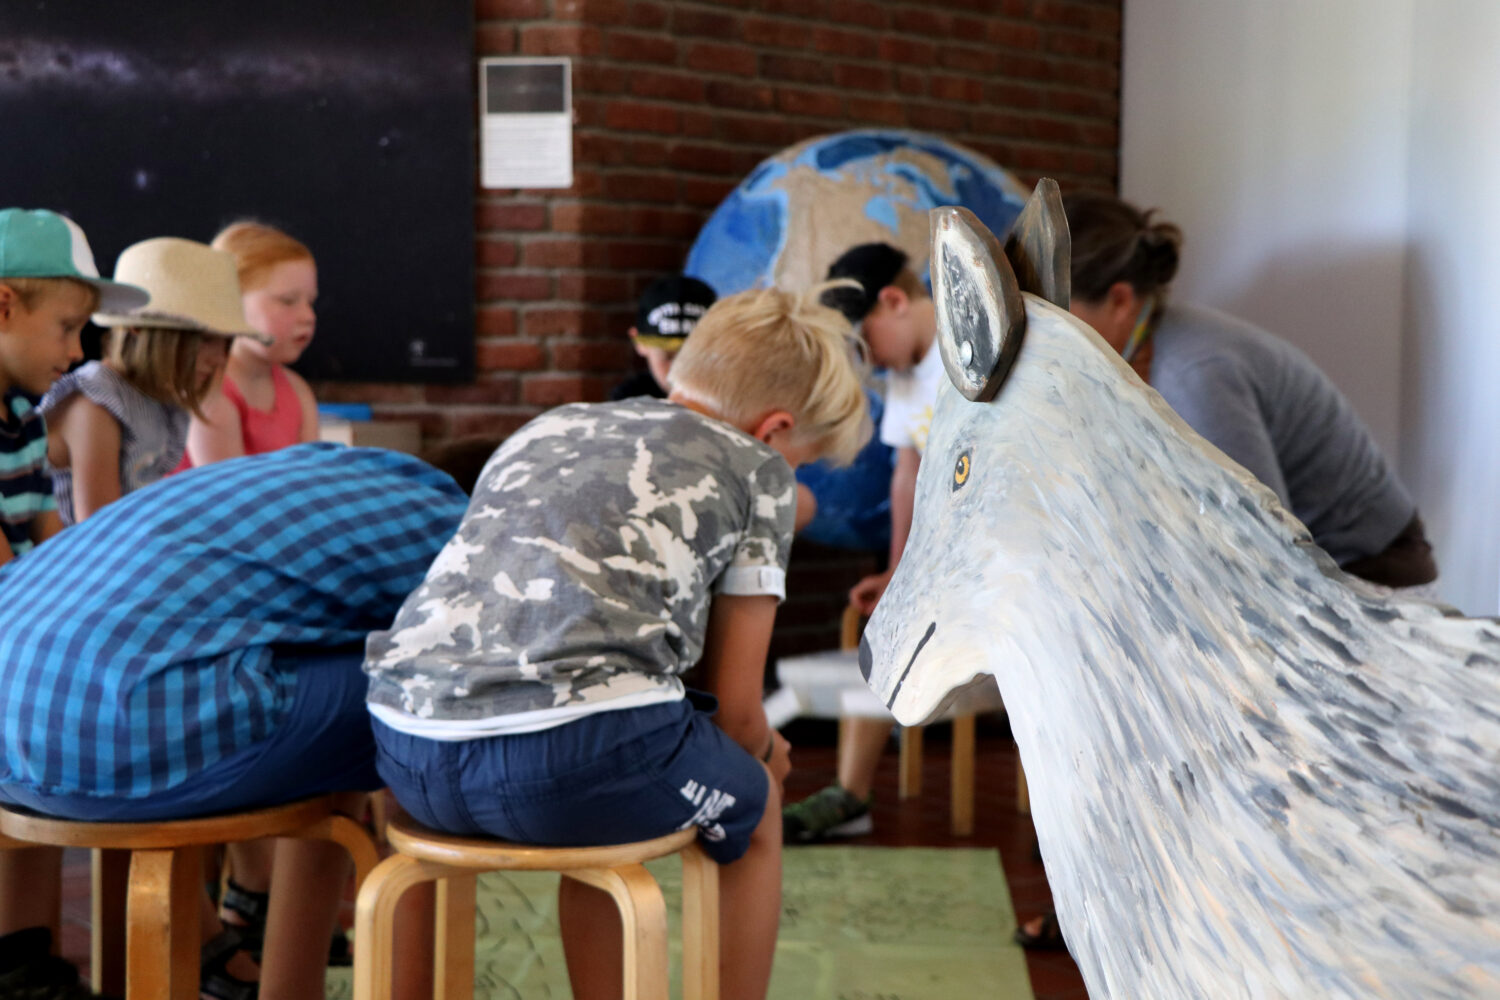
pixel 192 286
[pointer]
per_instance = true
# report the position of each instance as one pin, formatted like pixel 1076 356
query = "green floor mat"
pixel 858 923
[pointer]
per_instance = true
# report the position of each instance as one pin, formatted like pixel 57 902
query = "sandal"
pixel 251 908
pixel 214 979
pixel 1049 936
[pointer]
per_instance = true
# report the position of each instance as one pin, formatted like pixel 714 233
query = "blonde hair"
pixel 257 248
pixel 31 291
pixel 161 363
pixel 766 350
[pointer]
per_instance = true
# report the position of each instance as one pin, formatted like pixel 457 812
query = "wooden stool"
pixel 425 855
pixel 162 935
pixel 961 768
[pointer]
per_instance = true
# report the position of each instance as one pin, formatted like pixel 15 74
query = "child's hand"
pixel 867 592
pixel 780 762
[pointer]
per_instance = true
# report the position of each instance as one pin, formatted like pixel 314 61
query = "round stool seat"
pixel 221 828
pixel 417 841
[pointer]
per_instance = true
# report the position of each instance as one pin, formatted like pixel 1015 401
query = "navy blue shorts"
pixel 607 778
pixel 323 745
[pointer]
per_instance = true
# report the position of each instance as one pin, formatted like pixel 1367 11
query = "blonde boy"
pixel 530 688
pixel 48 287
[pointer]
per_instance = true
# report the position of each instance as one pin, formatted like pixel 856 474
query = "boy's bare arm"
pixel 866 593
pixel 45 525
pixel 6 552
pixel 734 665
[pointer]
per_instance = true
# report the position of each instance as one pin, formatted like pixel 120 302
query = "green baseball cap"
pixel 43 244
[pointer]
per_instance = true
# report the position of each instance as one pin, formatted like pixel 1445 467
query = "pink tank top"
pixel 268 430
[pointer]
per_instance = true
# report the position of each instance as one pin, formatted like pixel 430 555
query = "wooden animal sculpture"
pixel 1251 775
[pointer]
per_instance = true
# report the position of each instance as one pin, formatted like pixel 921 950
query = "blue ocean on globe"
pixel 797 212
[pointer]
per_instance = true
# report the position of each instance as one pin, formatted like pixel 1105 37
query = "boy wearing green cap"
pixel 48 287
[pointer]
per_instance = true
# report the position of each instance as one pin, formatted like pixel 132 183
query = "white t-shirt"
pixel 909 398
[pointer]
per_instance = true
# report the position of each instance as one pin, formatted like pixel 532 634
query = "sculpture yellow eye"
pixel 961 470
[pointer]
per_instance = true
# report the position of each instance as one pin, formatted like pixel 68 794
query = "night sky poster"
pixel 349 125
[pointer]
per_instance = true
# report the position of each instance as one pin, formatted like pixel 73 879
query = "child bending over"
pixel 530 688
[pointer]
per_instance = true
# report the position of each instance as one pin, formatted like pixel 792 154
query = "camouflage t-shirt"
pixel 581 577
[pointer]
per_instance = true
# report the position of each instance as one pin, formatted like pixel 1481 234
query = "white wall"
pixel 1294 142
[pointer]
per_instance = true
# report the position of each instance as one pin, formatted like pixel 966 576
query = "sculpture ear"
pixel 980 315
pixel 1040 247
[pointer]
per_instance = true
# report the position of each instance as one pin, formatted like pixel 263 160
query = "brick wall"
pixel 675 103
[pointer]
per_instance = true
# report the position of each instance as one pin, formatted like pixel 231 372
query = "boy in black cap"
pixel 668 310
pixel 893 311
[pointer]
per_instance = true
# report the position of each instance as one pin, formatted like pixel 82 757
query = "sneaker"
pixel 832 812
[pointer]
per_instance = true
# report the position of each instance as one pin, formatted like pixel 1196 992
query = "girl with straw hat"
pixel 122 423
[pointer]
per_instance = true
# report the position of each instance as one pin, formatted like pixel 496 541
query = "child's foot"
pixel 832 812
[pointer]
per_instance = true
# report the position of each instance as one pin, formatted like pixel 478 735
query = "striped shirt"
pixel 25 489
pixel 136 647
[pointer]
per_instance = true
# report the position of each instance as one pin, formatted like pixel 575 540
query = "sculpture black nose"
pixel 865 658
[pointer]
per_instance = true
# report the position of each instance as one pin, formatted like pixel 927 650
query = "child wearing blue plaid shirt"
pixel 195 647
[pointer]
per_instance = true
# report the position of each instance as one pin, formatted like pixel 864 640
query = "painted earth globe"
pixel 800 209
pixel 797 212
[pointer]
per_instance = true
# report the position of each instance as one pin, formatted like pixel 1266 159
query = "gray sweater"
pixel 1267 406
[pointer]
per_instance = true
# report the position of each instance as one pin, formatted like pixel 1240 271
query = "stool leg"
pixel 109 871
pixel 643 914
pixel 911 762
pixel 453 967
pixel 162 931
pixel 700 925
pixel 374 919
pixel 961 777
pixel 350 835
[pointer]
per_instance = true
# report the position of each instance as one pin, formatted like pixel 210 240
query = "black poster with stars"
pixel 349 125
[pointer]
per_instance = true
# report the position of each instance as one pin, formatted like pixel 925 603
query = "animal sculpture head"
pixel 1251 775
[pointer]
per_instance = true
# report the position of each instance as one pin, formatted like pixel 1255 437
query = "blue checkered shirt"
pixel 136 647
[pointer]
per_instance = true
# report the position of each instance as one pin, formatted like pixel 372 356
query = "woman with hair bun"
pixel 1255 397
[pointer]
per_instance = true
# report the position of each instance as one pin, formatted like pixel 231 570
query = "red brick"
pixel 587 183
pixel 1096 76
pixel 855 44
pixel 799 69
pixel 882 111
pixel 911 82
pixel 1000 123
pixel 1014 35
pixel 704 159
pixel 818 103
pixel 607 289
pixel 630 46
pixel 768 133
pixel 512 215
pixel 592 355
pixel 649 15
pixel 693 22
pixel 496 253
pixel 807 9
pixel 602 150
pixel 510 355
pixel 861 76
pixel 592 11
pixel 643 152
pixel 640 187
pixel 589 217
pixel 1000 94
pixel 746 96
pixel 1105 134
pixel 634 116
pixel 665 222
pixel 635 254
pixel 509 285
pixel 1096 18
pixel 922 21
pixel 1084 102
pixel 1068 43
pixel 729 59
pixel 1054 130
pixel 555 253
pixel 509 10
pixel 1038 158
pixel 553 390
pixel 685 87
pixel 494 321
pixel 550 322
pixel 497 425
pixel 906 50
pixel 595 78
pixel 969 60
pixel 699 124
pixel 494 39
pixel 561 40
pixel 939 118
pixel 699 191
pixel 774 32
pixel 956 88
pixel 589 110
pixel 1027 67
pixel 859 12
